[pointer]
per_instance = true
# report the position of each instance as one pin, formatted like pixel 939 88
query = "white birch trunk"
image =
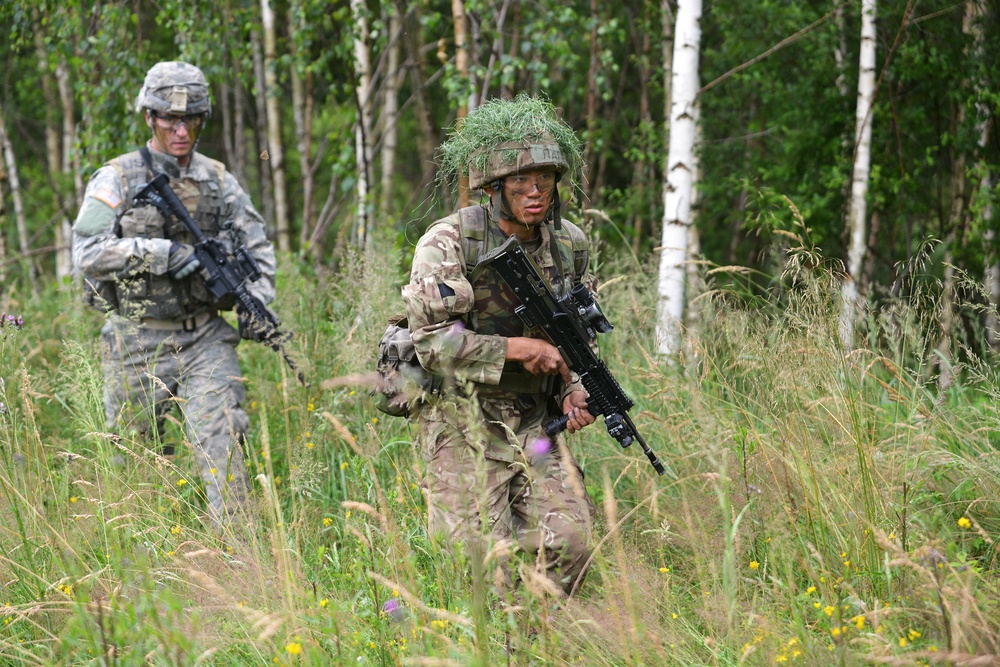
pixel 3 227
pixel 858 208
pixel 15 193
pixel 680 175
pixel 390 109
pixel 362 126
pixel 462 66
pixel 275 147
pixel 302 110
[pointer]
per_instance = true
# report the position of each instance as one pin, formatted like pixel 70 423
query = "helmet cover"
pixel 504 137
pixel 174 88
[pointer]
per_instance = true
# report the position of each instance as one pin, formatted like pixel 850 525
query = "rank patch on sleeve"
pixel 108 197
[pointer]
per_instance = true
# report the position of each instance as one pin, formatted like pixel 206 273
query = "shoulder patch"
pixel 108 197
pixel 95 217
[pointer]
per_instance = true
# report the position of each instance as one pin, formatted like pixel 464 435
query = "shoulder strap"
pixel 472 228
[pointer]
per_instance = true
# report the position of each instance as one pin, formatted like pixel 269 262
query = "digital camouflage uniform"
pixel 164 340
pixel 488 461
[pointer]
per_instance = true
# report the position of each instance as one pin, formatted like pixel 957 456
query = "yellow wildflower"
pixel 343 466
pixel 835 632
pixel 902 642
pixel 309 445
pixel 754 565
pixel 73 499
pixel 914 635
pixel 811 590
pixel 310 407
pixel 859 622
pixel 964 523
pixel 293 648
pixel 828 610
pixel 327 521
pixel 181 482
pixel 175 530
pixel 324 602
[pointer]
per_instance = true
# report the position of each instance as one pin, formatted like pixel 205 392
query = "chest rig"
pixel 141 294
pixel 561 255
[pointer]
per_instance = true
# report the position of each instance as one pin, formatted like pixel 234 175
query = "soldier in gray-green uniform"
pixel 165 342
pixel 489 466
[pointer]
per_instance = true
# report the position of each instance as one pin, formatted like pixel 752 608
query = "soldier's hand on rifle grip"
pixel 182 261
pixel 575 408
pixel 538 357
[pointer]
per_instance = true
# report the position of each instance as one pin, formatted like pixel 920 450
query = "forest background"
pixel 829 498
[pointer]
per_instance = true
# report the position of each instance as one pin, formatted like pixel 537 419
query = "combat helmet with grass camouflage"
pixel 504 137
pixel 174 88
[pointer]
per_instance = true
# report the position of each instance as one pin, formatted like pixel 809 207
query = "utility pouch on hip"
pixel 401 379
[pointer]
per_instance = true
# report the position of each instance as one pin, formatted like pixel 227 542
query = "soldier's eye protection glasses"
pixel 192 122
pixel 522 184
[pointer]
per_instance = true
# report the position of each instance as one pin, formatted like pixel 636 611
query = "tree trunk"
pixel 302 106
pixel 390 111
pixel 264 160
pixel 679 173
pixel 413 41
pixel 840 52
pixel 858 208
pixel 54 158
pixel 362 125
pixel 3 229
pixel 274 141
pixel 462 67
pixel 588 189
pixel 639 169
pixel 15 193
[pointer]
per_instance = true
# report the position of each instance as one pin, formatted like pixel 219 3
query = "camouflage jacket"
pixel 128 247
pixel 460 323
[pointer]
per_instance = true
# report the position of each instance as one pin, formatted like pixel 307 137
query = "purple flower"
pixel 393 608
pixel 539 447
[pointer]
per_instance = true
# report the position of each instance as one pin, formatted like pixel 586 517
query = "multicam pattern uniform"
pixel 149 369
pixel 488 461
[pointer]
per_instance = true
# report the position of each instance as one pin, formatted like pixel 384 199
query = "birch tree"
pixel 363 122
pixel 390 111
pixel 15 192
pixel 462 66
pixel 678 189
pixel 274 143
pixel 858 206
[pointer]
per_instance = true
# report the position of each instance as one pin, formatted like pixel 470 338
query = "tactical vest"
pixel 142 294
pixel 567 259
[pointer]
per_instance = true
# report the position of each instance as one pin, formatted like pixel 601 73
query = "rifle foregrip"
pixel 556 426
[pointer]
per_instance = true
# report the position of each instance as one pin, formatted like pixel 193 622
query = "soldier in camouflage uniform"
pixel 165 341
pixel 489 465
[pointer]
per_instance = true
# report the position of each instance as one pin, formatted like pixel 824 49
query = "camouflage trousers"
pixel 490 469
pixel 148 371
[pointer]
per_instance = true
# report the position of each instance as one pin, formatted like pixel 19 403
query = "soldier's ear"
pixel 149 119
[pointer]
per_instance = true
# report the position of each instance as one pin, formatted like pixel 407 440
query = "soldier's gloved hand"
pixel 182 261
pixel 250 328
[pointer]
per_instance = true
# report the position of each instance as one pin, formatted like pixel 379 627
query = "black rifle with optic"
pixel 571 323
pixel 224 275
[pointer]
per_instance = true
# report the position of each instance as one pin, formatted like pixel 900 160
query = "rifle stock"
pixel 570 323
pixel 224 275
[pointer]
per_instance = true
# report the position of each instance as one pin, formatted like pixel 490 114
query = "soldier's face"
pixel 175 135
pixel 530 194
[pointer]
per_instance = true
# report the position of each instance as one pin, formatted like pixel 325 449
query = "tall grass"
pixel 827 504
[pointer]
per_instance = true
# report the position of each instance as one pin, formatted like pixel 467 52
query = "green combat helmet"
pixel 503 137
pixel 174 88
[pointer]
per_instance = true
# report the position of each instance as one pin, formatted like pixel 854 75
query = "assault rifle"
pixel 224 274
pixel 571 323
